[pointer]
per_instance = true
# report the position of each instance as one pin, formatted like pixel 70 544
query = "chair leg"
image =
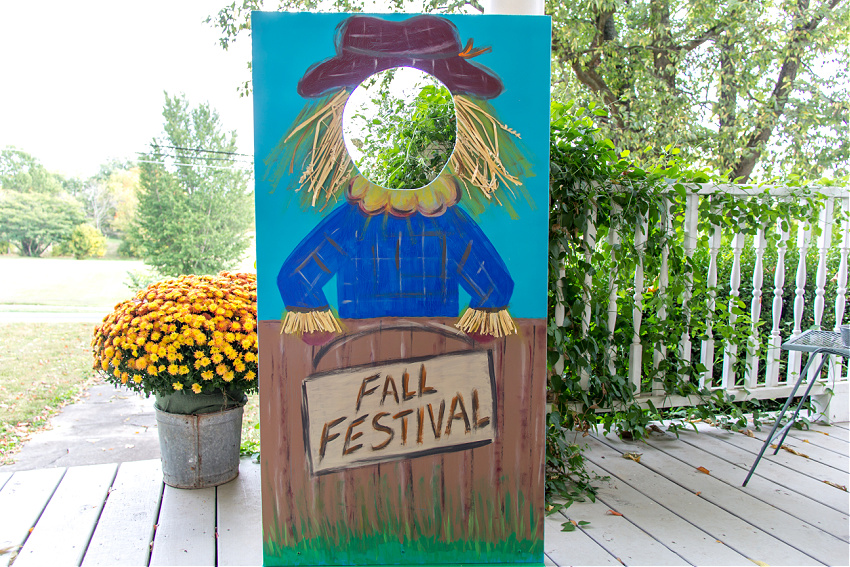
pixel 802 402
pixel 777 421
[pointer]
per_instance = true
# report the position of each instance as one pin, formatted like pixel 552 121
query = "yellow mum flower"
pixel 152 370
pixel 220 369
pixel 207 374
pixel 161 368
pixel 250 375
pixel 124 378
pixel 230 337
pixel 196 388
pixel 198 353
pixel 250 357
pixel 141 363
pixel 137 378
pixel 155 336
pixel 239 365
pixel 172 369
pixel 184 369
pixel 228 376
pixel 177 385
pixel 217 357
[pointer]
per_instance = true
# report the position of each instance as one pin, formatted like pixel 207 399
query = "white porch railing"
pixel 770 372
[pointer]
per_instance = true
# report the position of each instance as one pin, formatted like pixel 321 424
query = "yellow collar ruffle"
pixel 431 200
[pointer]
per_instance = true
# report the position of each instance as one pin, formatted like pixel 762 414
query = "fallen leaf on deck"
pixel 805 440
pixel 748 432
pixel 838 486
pixel 613 513
pixel 760 563
pixel 821 432
pixel 698 493
pixel 703 470
pixel 632 456
pixel 790 450
pixel 655 428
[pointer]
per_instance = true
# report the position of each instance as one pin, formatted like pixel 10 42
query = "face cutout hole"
pixel 399 128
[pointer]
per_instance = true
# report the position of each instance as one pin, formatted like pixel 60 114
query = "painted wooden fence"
pixel 770 372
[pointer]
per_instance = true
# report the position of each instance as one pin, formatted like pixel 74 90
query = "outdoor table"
pixel 814 342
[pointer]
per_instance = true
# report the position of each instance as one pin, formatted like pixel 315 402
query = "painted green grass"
pixel 499 529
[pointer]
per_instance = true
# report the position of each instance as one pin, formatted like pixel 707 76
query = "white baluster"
pixel 659 352
pixel 774 350
pixel 707 352
pixel 730 352
pixel 613 241
pixel 636 349
pixel 590 244
pixel 755 311
pixel 794 356
pixel 841 283
pixel 690 236
pixel 825 223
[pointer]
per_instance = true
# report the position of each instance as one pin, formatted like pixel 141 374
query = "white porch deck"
pixel 667 512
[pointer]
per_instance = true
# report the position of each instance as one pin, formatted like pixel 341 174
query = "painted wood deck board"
pixel 798 505
pixel 694 545
pixel 805 538
pixel 62 533
pixel 789 471
pixel 22 500
pixel 126 526
pixel 742 536
pixel 185 533
pixel 573 548
pixel 240 530
pixel 621 537
pixel 4 477
pixel 775 519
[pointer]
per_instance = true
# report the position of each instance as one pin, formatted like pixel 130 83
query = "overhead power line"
pixel 195 165
pixel 205 158
pixel 201 150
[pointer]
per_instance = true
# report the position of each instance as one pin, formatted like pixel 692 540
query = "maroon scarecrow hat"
pixel 366 45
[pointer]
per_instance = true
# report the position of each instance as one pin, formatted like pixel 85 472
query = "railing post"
pixel 753 344
pixel 636 349
pixel 690 238
pixel 825 224
pixel 794 356
pixel 659 351
pixel 707 352
pixel 613 240
pixel 589 245
pixel 774 348
pixel 730 351
pixel 835 367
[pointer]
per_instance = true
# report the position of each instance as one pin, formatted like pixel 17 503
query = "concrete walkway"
pixel 108 425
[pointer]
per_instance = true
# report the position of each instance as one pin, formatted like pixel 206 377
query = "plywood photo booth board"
pixel 402 331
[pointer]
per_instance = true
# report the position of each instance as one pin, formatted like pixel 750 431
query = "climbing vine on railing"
pixel 593 185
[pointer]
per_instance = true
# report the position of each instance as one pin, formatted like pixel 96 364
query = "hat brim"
pixel 349 70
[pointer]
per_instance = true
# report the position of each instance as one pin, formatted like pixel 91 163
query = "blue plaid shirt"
pixel 388 266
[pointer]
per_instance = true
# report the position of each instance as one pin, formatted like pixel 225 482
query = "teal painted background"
pixel 286 44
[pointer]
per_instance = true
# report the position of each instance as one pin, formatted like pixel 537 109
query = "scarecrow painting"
pixel 409 397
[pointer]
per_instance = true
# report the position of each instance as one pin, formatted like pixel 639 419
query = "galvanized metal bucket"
pixel 199 451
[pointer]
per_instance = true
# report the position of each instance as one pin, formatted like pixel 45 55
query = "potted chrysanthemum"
pixel 192 342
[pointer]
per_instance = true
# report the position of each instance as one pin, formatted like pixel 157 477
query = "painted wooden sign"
pixel 401 410
pixel 402 330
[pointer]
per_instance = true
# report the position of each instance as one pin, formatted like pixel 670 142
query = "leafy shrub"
pixel 84 241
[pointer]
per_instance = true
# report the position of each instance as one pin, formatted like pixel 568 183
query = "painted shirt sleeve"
pixel 481 271
pixel 314 262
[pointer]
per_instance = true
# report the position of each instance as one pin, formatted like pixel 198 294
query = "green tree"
pixel 195 208
pixel 753 88
pixel 406 141
pixel 34 221
pixel 21 172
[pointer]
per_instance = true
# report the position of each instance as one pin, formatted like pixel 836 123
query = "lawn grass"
pixel 96 285
pixel 43 366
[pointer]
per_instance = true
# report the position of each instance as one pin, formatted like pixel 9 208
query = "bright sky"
pixel 83 81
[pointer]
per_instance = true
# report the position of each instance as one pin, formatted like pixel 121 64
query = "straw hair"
pixel 317 135
pixel 494 323
pixel 480 148
pixel 300 322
